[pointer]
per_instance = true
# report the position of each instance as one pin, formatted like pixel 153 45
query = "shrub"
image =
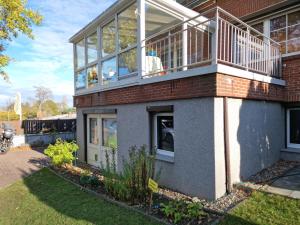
pixel 61 152
pixel 132 184
pixel 178 210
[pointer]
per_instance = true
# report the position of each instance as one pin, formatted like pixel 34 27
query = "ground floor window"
pixel 293 128
pixel 164 133
pixel 109 132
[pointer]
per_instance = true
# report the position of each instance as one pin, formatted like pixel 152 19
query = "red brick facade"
pixel 211 85
pixel 240 8
pixel 291 74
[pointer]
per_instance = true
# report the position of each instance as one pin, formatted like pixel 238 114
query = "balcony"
pixel 145 41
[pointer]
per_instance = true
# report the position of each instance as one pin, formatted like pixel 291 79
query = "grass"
pixel 265 209
pixel 45 198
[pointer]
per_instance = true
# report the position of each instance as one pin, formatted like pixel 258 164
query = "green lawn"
pixel 44 198
pixel 265 209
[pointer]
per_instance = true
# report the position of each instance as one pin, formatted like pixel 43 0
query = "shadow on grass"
pixel 235 220
pixel 59 202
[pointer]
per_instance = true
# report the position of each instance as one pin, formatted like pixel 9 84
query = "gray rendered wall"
pixel 256 131
pixel 194 169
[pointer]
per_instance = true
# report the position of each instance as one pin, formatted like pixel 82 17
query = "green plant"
pixel 62 152
pixel 94 181
pixel 178 210
pixel 132 184
pixel 85 177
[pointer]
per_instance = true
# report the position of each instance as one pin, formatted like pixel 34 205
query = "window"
pixel 109 133
pixel 109 71
pixel 127 27
pixel 285 29
pixel 293 128
pixel 127 62
pixel 92 46
pixel 80 79
pixel 92 75
pixel 80 55
pixel 93 131
pixel 164 133
pixel 109 39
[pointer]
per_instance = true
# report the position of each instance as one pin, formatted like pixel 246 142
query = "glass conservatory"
pixel 148 40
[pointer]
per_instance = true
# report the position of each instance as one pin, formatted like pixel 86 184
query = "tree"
pixel 15 18
pixel 50 108
pixel 42 94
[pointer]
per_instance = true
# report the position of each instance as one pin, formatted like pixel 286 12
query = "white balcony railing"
pixel 212 37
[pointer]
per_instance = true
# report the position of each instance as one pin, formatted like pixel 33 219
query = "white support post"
pixel 248 49
pixel 185 46
pixel 141 39
pixel 215 44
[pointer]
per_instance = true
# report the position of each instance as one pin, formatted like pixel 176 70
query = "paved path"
pixel 17 164
pixel 287 185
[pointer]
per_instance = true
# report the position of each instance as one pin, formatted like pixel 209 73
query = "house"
pixel 212 85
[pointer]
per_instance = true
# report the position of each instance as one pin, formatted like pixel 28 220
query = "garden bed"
pixel 212 210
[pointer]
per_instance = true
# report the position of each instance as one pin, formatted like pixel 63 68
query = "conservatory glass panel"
pixel 80 56
pixel 92 46
pixel 127 62
pixel 92 75
pixel 127 27
pixel 109 39
pixel 109 71
pixel 157 20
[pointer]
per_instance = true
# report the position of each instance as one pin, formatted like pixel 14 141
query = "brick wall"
pixel 239 8
pixel 193 87
pixel 243 88
pixel 291 74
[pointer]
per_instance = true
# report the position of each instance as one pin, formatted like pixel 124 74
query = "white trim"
pixel 155 139
pixel 290 145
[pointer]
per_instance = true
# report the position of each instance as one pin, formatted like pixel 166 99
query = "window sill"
pixel 164 157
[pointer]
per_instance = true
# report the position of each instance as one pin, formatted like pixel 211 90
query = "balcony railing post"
pixel 169 51
pixel 269 59
pixel 185 46
pixel 248 49
pixel 141 39
pixel 215 41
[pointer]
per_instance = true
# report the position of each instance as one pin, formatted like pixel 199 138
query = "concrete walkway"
pixel 17 164
pixel 286 185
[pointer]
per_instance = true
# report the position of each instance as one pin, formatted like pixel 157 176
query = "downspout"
pixel 226 146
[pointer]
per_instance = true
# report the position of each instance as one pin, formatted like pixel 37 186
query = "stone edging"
pixel 104 197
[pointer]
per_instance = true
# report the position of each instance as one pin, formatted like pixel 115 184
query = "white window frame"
pixel 267 30
pixel 155 139
pixel 290 145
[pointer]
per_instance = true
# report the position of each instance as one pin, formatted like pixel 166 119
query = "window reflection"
pixel 109 71
pixel 92 46
pixel 92 74
pixel 80 59
pixel 80 79
pixel 108 39
pixel 93 131
pixel 127 62
pixel 109 132
pixel 127 27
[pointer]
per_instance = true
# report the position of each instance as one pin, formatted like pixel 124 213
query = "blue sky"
pixel 48 59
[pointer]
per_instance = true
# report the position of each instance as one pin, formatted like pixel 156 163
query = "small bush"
pixel 178 210
pixel 61 152
pixel 132 184
pixel 94 181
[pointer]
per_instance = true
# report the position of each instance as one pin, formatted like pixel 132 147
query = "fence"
pixel 48 126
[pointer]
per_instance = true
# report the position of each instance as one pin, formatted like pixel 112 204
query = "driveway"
pixel 17 164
